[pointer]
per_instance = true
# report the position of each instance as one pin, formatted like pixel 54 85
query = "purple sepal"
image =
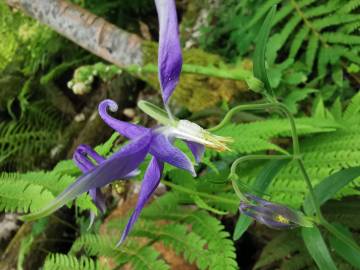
pixel 128 130
pixel 169 55
pixel 151 181
pixel 197 150
pixel 163 150
pixel 81 159
pixel 114 168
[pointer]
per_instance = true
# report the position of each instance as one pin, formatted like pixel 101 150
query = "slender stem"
pixel 233 175
pixel 314 201
pixel 295 138
pixel 238 192
pixel 245 107
pixel 254 157
pixel 298 158
pixel 201 194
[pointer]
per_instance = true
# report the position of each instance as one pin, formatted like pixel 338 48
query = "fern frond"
pixel 256 136
pixel 350 6
pixel 21 196
pixel 353 109
pixel 314 30
pixel 177 237
pixel 140 257
pixel 323 155
pixel 47 183
pixel 66 262
pixel 192 233
pixel 25 142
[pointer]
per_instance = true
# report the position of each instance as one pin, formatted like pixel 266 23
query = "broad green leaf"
pixel 330 186
pixel 261 183
pixel 345 251
pixel 317 248
pixel 259 54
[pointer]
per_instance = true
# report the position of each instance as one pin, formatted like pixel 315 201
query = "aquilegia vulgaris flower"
pixel 273 215
pixel 154 141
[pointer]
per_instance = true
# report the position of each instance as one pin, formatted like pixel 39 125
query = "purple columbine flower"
pixel 169 56
pixel 123 164
pixel 275 216
pixel 158 142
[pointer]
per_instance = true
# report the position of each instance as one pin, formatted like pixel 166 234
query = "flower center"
pixel 190 131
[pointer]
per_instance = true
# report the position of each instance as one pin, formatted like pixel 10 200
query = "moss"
pixel 197 92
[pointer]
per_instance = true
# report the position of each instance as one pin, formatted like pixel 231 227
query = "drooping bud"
pixel 273 215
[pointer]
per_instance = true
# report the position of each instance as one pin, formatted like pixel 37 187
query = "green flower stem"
pixel 233 175
pixel 295 137
pixel 254 157
pixel 239 108
pixel 238 192
pixel 314 201
pixel 200 194
pixel 298 158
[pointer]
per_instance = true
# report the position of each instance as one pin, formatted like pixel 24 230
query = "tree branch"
pixel 85 29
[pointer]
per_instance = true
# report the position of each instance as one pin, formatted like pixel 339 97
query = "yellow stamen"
pixel 218 143
pixel 281 219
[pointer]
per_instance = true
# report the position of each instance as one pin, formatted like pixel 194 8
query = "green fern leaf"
pixel 21 196
pixel 140 257
pixel 66 262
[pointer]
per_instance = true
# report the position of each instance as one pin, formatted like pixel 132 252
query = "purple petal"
pixel 126 129
pixel 116 167
pixel 98 199
pixel 82 160
pixel 169 56
pixel 197 150
pixel 86 150
pixel 163 150
pixel 151 181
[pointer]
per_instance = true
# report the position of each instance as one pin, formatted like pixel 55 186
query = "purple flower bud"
pixel 273 215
